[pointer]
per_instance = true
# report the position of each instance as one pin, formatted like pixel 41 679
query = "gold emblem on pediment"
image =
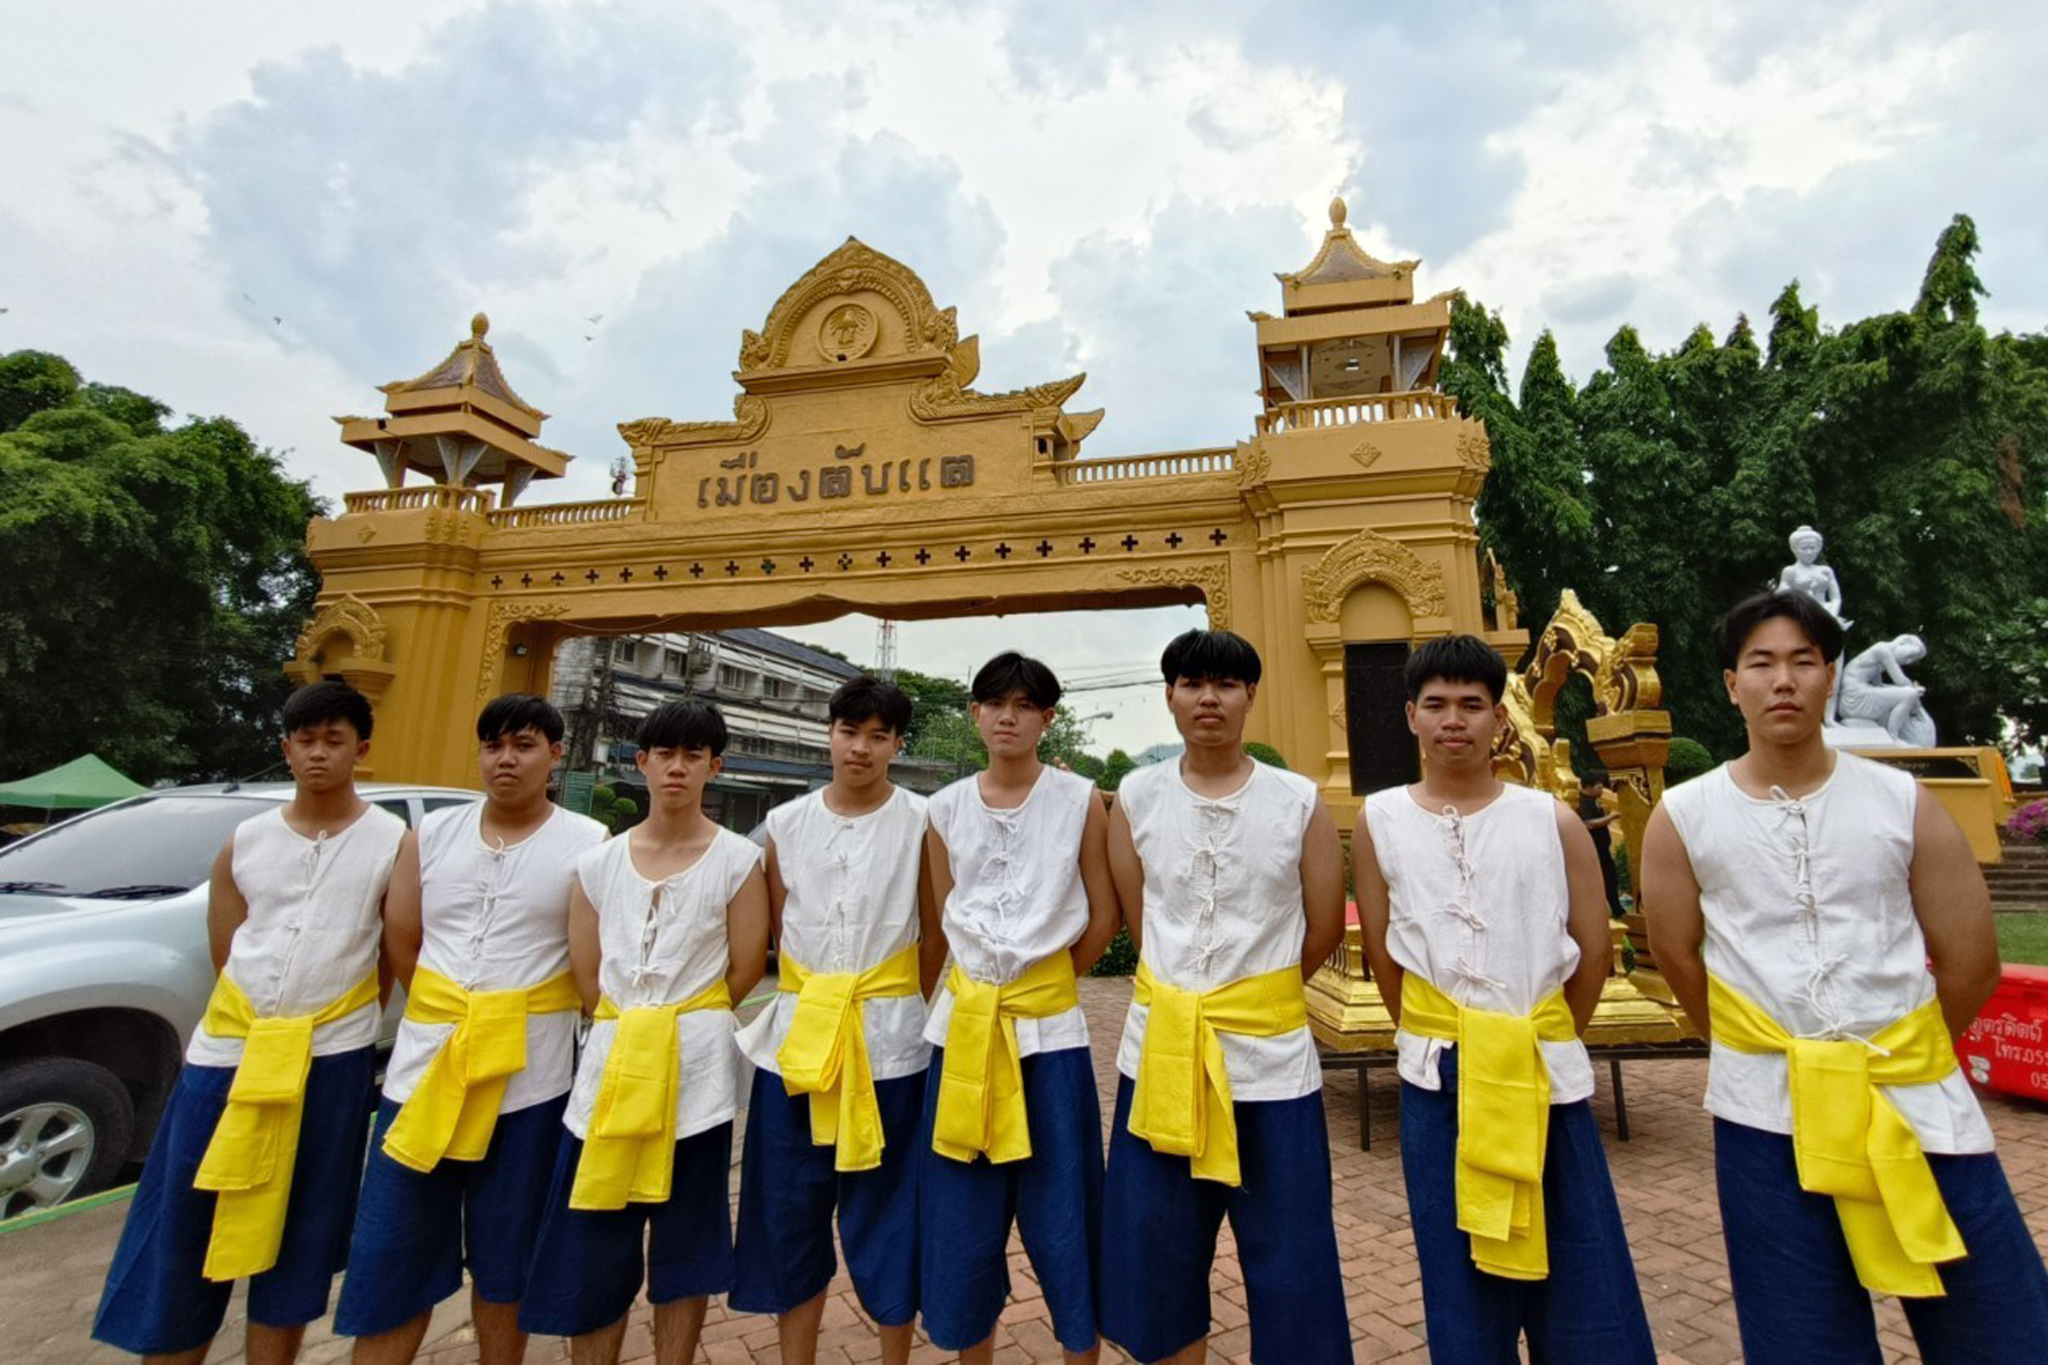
pixel 848 332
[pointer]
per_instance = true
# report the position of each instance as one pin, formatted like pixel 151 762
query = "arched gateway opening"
pixel 861 471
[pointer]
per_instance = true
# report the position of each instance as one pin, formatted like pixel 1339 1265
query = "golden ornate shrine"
pixel 1632 736
pixel 862 471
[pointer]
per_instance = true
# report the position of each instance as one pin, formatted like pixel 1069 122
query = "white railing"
pixel 1173 464
pixel 1422 405
pixel 568 513
pixel 420 495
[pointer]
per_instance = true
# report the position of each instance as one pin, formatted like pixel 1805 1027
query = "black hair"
pixel 860 700
pixel 1456 658
pixel 1210 655
pixel 330 699
pixel 1013 672
pixel 1818 623
pixel 516 712
pixel 683 725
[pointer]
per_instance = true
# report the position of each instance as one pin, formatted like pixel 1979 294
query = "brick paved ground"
pixel 52 1273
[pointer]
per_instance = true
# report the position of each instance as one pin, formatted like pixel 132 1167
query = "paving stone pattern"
pixel 1665 1178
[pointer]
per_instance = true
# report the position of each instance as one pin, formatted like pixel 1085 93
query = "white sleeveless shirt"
pixel 850 903
pixel 1809 913
pixel 1017 896
pixel 495 917
pixel 661 942
pixel 1223 902
pixel 1480 910
pixel 315 924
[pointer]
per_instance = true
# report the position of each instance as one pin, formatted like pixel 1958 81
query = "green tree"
pixel 1115 769
pixel 1915 440
pixel 930 699
pixel 155 581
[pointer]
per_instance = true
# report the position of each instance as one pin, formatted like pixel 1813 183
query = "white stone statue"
pixel 1876 691
pixel 1807 576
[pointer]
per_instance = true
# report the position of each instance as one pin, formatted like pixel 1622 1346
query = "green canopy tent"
pixel 81 784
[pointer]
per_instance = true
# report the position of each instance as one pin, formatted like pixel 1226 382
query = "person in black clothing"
pixel 1593 786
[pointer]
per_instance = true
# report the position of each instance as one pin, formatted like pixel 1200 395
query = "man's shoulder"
pixel 580 830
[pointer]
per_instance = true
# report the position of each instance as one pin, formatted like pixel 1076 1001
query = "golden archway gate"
pixel 862 471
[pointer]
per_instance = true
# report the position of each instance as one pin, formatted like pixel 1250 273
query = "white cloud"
pixel 1094 187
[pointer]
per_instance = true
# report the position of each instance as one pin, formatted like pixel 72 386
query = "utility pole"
pixel 885 650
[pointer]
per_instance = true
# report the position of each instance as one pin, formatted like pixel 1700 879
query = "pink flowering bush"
pixel 2029 824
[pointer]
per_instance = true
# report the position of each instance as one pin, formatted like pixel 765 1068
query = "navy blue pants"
pixel 588 1264
pixel 1054 1196
pixel 157 1299
pixel 1797 1298
pixel 1588 1309
pixel 789 1188
pixel 1159 1226
pixel 416 1230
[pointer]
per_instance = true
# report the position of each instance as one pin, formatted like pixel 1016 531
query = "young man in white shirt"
pixel 1012 1127
pixel 476 928
pixel 259 1153
pixel 668 927
pixel 1823 922
pixel 1486 927
pixel 840 1050
pixel 1231 878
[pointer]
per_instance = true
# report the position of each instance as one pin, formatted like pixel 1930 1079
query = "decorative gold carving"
pixel 1372 556
pixel 854 268
pixel 1507 603
pixel 1213 579
pixel 1366 454
pixel 348 615
pixel 848 332
pixel 1623 673
pixel 648 433
pixel 944 397
pixel 504 616
pixel 1253 464
pixel 1475 450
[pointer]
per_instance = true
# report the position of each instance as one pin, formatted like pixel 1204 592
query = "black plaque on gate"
pixel 1376 722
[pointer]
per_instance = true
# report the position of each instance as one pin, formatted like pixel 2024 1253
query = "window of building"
pixel 771 687
pixel 625 651
pixel 672 661
pixel 732 679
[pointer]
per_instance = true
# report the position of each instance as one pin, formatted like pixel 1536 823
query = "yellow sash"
pixel 1851 1143
pixel 454 1108
pixel 981 1086
pixel 249 1160
pixel 1503 1120
pixel 1181 1102
pixel 825 1053
pixel 629 1150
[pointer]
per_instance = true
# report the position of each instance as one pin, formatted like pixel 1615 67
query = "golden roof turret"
pixel 459 423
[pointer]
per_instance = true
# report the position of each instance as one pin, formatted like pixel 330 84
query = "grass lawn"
pixel 2023 939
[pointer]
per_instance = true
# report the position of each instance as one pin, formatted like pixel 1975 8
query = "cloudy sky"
pixel 264 211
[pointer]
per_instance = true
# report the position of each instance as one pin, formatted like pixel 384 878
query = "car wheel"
pixel 65 1126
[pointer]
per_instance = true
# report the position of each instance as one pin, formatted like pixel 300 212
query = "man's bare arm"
pixel 1103 914
pixel 1585 917
pixel 225 908
pixel 1128 874
pixel 777 892
pixel 1375 911
pixel 938 888
pixel 746 936
pixel 403 917
pixel 1954 910
pixel 1671 907
pixel 584 952
pixel 1322 889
